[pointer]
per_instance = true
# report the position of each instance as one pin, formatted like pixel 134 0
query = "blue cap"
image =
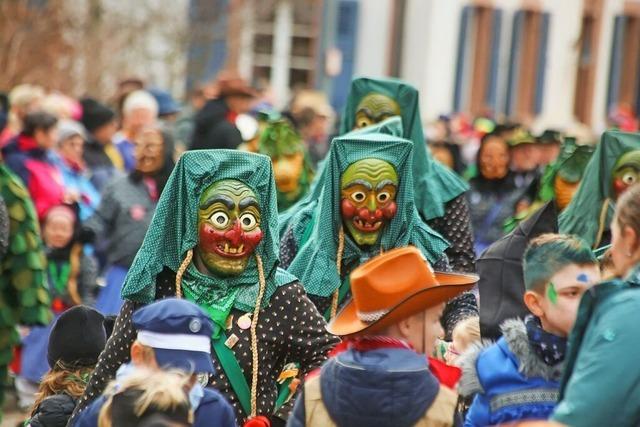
pixel 166 103
pixel 179 333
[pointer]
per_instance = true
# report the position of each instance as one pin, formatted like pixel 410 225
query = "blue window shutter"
pixel 462 60
pixel 616 62
pixel 542 61
pixel 514 61
pixel 495 55
pixel 347 31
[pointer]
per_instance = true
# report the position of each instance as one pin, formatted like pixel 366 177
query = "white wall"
pixel 599 112
pixel 561 65
pixel 374 35
pixel 429 60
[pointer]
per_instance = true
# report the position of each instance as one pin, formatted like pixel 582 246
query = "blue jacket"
pixel 78 181
pixel 509 381
pixel 213 410
pixel 383 387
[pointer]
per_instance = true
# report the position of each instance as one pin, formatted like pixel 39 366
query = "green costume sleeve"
pixel 173 230
pixel 592 207
pixel 434 183
pixel 24 298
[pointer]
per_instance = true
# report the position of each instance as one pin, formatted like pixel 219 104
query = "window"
pixel 624 71
pixel 587 60
pixel 477 65
pixel 525 87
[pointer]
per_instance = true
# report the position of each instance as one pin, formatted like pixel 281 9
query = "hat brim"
pixel 450 285
pixel 196 362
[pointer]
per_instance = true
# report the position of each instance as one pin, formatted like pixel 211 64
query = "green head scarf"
pixel 173 230
pixel 301 211
pixel 315 263
pixel 592 207
pixel 434 183
pixel 570 166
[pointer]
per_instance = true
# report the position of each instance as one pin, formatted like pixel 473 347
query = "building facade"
pixel 548 63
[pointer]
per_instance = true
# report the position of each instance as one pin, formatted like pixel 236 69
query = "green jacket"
pixel 601 385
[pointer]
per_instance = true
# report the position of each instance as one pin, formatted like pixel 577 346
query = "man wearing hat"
pixel 173 334
pixel 384 377
pixel 525 157
pixel 215 123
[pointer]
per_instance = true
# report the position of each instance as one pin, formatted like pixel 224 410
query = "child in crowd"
pixel 71 277
pixel 163 328
pixel 77 339
pixel 465 334
pixel 517 378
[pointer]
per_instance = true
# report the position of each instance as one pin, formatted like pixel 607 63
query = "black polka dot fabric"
pixel 455 226
pixel 290 329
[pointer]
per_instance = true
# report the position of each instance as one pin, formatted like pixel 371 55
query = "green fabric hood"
pixel 173 230
pixel 434 183
pixel 391 126
pixel 315 263
pixel 582 216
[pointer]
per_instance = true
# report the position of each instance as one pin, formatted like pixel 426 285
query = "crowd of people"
pixel 226 263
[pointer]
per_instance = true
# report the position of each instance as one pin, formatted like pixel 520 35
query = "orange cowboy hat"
pixel 392 287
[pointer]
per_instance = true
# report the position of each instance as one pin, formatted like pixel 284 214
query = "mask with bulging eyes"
pixel 626 172
pixel 373 109
pixel 368 191
pixel 228 227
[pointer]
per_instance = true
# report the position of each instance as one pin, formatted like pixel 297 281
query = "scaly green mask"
pixel 375 108
pixel 368 190
pixel 228 227
pixel 626 172
pixel 284 146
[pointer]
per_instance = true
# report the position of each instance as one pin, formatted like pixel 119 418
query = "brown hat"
pixel 392 287
pixel 230 84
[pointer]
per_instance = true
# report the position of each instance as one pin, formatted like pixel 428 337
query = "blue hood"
pixel 378 388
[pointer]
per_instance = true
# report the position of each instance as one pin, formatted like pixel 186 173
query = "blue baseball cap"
pixel 179 333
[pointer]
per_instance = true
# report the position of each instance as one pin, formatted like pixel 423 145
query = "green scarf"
pixel 434 183
pixel 173 230
pixel 582 216
pixel 315 263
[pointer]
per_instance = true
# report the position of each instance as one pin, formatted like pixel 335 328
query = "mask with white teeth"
pixel 228 228
pixel 368 190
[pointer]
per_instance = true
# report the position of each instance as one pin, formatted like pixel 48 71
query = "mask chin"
pixel 221 266
pixel 362 238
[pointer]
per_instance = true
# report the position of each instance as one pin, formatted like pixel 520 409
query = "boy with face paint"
pixel 587 215
pixel 518 377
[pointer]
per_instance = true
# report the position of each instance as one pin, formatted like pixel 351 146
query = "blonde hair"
pixel 23 95
pixel 164 390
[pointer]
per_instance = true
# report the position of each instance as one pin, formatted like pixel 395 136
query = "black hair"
pixel 38 120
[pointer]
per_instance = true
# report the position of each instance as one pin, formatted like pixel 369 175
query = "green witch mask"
pixel 281 142
pixel 626 172
pixel 228 227
pixel 368 190
pixel 375 108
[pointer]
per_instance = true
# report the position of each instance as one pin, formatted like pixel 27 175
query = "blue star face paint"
pixel 582 278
